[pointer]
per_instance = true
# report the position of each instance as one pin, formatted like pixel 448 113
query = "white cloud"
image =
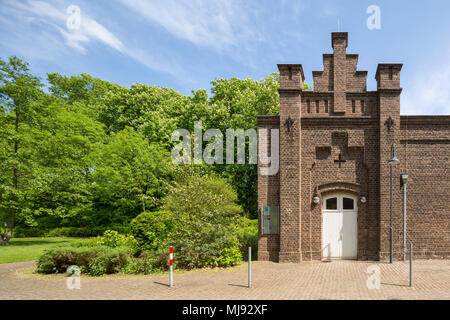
pixel 47 13
pixel 35 29
pixel 218 24
pixel 428 93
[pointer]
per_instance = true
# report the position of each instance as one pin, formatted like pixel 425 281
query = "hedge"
pixel 92 260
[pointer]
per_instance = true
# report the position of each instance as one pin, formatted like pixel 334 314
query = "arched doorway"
pixel 339 226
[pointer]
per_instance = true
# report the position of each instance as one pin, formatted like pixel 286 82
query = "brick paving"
pixel 308 280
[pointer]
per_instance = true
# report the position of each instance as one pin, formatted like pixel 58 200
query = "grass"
pixel 26 249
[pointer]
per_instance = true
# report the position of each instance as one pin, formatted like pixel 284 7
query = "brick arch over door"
pixel 350 187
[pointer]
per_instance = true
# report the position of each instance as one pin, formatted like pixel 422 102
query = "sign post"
pixel 410 263
pixel 249 267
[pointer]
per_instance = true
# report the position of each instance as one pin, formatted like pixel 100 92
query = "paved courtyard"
pixel 310 280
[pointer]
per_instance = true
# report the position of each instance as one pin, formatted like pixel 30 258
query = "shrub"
pixel 108 262
pixel 207 215
pixel 46 264
pixel 151 229
pixel 71 232
pixel 142 265
pixel 113 239
pixel 228 257
pixel 92 260
pixel 248 237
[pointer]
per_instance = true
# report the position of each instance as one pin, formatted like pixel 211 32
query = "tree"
pixel 151 110
pixel 19 94
pixel 66 142
pixel 235 104
pixel 130 176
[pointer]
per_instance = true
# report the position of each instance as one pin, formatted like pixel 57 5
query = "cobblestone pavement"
pixel 308 280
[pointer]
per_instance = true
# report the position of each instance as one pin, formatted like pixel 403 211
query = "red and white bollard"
pixel 171 267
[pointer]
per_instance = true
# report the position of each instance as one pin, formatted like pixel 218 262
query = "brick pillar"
pixel 291 84
pixel 388 85
pixel 339 42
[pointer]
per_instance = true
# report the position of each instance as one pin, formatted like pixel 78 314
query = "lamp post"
pixel 404 181
pixel 392 161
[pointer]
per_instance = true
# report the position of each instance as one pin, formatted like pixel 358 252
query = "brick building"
pixel 331 195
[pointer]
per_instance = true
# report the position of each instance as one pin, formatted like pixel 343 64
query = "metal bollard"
pixel 249 267
pixel 171 267
pixel 410 262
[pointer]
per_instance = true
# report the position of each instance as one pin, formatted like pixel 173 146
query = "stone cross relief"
pixel 340 160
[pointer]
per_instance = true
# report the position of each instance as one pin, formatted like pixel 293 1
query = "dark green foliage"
pixel 92 260
pixel 151 229
pixel 108 262
pixel 207 215
pixel 147 263
pixel 21 231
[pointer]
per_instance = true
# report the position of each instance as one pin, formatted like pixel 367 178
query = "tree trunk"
pixel 4 242
pixel 7 233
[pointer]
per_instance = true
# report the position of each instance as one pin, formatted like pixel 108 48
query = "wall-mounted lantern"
pixel 316 199
pixel 363 199
pixel 404 178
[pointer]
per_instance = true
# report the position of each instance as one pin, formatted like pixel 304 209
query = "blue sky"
pixel 184 44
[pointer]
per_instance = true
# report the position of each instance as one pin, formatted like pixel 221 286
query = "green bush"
pixel 46 264
pixel 228 257
pixel 248 237
pixel 108 262
pixel 92 260
pixel 143 265
pixel 113 239
pixel 207 215
pixel 151 229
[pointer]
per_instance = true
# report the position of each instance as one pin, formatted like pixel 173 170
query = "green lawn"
pixel 24 249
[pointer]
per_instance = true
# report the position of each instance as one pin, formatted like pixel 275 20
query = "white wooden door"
pixel 339 227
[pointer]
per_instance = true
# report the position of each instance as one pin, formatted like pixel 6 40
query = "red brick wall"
pixel 424 154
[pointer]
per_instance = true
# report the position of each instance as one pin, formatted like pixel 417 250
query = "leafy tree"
pixel 235 104
pixel 83 92
pixel 19 95
pixel 130 176
pixel 66 143
pixel 153 111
